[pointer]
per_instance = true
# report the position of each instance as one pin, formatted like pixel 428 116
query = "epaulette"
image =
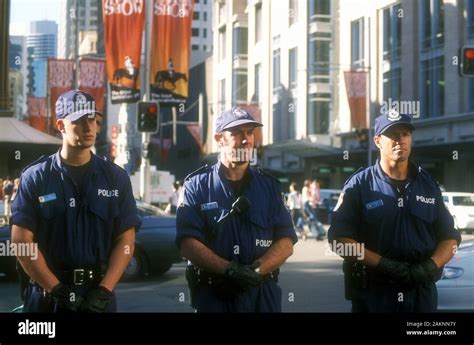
pixel 38 160
pixel 198 171
pixel 426 174
pixel 353 174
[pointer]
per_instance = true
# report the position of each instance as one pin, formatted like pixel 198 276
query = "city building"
pixel 18 65
pixel 201 32
pixel 41 44
pixel 318 71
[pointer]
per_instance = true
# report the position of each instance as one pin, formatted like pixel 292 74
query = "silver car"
pixel 456 286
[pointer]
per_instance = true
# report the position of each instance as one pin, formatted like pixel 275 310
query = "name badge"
pixel 209 206
pixel 374 204
pixel 45 198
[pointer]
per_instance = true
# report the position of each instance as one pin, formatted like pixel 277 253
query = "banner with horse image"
pixel 172 20
pixel 123 28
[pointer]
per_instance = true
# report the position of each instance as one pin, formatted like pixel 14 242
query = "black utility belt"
pixel 205 278
pixel 81 276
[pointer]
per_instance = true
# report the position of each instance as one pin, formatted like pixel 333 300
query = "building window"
pixel 195 47
pixel 204 15
pixel 239 87
pixel 195 32
pixel 204 33
pixel 392 33
pixel 222 11
pixel 357 43
pixel 256 96
pixel 293 65
pixel 432 87
pixel 222 43
pixel 221 95
pixel 320 10
pixel 276 70
pixel 196 15
pixel 240 41
pixel 470 18
pixel 470 92
pixel 258 22
pixel 293 13
pixel 318 115
pixel 392 86
pixel 319 53
pixel 431 23
pixel 204 47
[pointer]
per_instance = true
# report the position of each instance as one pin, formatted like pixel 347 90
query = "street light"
pixel 467 62
pixel 147 121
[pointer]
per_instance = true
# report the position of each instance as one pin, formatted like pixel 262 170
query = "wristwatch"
pixel 257 268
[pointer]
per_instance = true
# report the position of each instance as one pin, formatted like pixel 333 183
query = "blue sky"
pixel 24 11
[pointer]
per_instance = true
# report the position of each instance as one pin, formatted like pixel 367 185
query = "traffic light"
pixel 467 62
pixel 147 117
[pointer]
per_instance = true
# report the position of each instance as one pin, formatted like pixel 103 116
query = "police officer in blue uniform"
pixel 233 226
pixel 393 216
pixel 80 212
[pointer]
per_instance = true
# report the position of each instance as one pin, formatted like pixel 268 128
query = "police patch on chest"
pixel 263 243
pixel 109 193
pixel 374 204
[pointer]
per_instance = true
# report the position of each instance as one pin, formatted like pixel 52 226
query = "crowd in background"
pixel 7 194
pixel 303 207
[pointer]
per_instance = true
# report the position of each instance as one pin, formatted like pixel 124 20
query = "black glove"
pixel 425 272
pixel 397 272
pixel 65 298
pixel 243 275
pixel 97 300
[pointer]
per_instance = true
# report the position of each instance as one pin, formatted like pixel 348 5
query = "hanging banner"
pixel 60 80
pixel 123 28
pixel 37 113
pixel 356 96
pixel 195 132
pixel 171 35
pixel 92 80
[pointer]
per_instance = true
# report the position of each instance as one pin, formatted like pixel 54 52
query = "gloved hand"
pixel 397 272
pixel 97 300
pixel 425 272
pixel 65 298
pixel 243 275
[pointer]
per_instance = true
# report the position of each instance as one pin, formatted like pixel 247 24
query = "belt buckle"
pixel 78 273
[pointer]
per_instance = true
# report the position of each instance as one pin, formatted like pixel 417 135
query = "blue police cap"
pixel 74 104
pixel 233 118
pixel 390 119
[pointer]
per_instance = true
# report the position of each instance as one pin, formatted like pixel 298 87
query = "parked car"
pixel 461 207
pixel 155 249
pixel 456 287
pixel 329 198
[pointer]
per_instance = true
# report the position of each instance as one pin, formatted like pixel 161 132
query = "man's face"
pixel 80 133
pixel 395 144
pixel 237 144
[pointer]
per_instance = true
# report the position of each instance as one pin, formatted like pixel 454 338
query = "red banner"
pixel 172 20
pixel 356 95
pixel 92 80
pixel 60 80
pixel 37 112
pixel 123 28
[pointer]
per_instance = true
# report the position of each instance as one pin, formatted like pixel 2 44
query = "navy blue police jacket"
pixel 74 230
pixel 203 213
pixel 402 226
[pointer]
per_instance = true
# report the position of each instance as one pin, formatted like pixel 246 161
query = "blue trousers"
pixel 263 299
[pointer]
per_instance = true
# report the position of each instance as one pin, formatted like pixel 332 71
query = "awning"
pixel 304 148
pixel 14 131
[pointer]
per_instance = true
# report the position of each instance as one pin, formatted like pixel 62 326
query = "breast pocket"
pixel 107 211
pixel 52 208
pixel 425 213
